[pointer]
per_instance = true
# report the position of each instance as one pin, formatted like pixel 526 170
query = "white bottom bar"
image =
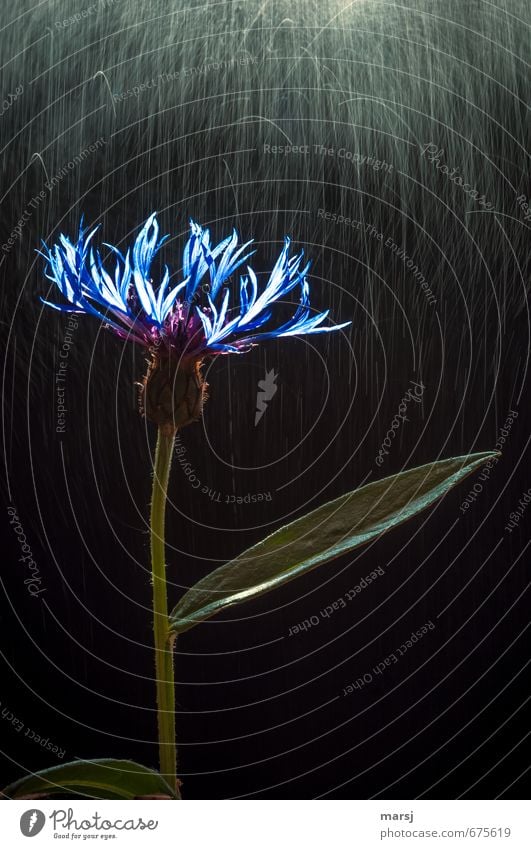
pixel 265 824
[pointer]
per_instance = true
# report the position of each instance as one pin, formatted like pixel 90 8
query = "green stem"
pixel 163 647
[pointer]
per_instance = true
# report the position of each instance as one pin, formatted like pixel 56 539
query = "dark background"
pixel 262 714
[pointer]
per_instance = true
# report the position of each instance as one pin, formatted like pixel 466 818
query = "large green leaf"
pixel 98 779
pixel 327 532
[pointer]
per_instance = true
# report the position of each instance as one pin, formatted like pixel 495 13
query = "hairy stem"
pixel 163 647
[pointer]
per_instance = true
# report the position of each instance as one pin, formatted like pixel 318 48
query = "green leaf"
pixel 98 779
pixel 327 532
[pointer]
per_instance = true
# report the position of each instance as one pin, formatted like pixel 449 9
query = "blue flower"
pixel 195 318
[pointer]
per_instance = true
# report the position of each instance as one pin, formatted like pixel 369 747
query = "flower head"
pixel 183 324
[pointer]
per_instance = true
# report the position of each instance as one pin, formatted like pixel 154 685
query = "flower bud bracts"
pixel 173 391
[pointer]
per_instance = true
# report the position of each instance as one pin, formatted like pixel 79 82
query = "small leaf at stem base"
pixel 105 778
